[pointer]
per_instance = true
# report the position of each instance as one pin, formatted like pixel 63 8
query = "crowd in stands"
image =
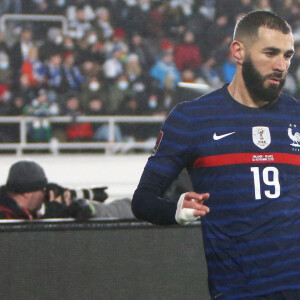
pixel 120 57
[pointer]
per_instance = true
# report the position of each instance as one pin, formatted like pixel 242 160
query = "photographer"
pixel 26 190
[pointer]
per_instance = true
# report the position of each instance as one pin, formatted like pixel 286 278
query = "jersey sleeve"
pixel 172 149
pixel 163 167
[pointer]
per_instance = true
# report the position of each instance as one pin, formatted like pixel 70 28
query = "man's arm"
pixel 148 204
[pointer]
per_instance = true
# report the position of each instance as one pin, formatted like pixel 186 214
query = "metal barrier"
pixel 109 146
pixel 35 18
pixel 98 259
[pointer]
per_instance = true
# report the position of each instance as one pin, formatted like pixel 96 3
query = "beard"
pixel 254 82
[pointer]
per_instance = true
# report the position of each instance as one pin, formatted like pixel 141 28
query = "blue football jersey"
pixel 248 159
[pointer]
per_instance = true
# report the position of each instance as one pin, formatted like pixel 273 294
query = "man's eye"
pixel 269 53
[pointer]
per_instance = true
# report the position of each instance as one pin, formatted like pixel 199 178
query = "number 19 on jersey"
pixel 270 178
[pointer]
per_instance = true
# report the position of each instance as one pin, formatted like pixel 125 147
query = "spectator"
pixel 24 89
pixel 40 129
pixel 228 68
pixel 243 6
pixel 4 101
pixel 187 53
pixel 165 68
pixel 80 25
pixel 19 51
pixel 54 72
pixel 3 45
pixel 71 106
pixel 210 73
pixel 131 131
pixel 57 7
pixel 133 68
pixel 262 5
pixel 290 10
pixel 90 49
pixel 72 78
pixel 94 90
pixel 157 18
pixel 295 60
pixel 174 20
pixel 40 7
pixel 216 32
pixel 90 69
pixel 102 134
pixel 53 44
pixel 119 38
pixel 34 68
pixel 17 105
pixel 11 7
pixel 113 66
pixel 117 94
pixel 95 107
pixel 139 46
pixel 139 18
pixel 102 23
pixel 183 93
pixel 68 44
pixel 5 70
pixel 76 131
pixel 74 5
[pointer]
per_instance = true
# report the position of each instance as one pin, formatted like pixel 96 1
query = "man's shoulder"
pixel 210 98
pixel 289 100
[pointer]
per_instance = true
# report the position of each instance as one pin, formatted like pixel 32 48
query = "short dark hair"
pixel 249 24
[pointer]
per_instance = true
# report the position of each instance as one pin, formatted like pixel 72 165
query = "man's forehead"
pixel 273 35
pixel 275 38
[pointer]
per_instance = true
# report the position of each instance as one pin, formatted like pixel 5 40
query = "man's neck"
pixel 239 92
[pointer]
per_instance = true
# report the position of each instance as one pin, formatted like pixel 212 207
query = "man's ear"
pixel 238 51
pixel 27 195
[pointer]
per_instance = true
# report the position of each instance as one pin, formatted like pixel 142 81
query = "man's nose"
pixel 281 64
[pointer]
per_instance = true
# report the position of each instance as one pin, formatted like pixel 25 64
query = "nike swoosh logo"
pixel 218 137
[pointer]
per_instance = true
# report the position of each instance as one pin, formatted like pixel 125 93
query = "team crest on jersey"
pixel 294 135
pixel 159 138
pixel 261 136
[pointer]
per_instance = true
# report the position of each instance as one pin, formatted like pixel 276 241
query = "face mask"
pixel 94 86
pixel 4 65
pixel 152 104
pixel 145 7
pixel 131 2
pixel 123 85
pixel 54 109
pixel 173 4
pixel 58 40
pixel 61 2
pixel 92 39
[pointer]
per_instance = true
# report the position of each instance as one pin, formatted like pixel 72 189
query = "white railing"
pixel 34 18
pixel 109 146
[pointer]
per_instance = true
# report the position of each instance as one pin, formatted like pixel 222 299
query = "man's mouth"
pixel 275 80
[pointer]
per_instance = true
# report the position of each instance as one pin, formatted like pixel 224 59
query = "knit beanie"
pixel 26 176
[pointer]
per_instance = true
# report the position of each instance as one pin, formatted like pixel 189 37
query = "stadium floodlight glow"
pixel 198 86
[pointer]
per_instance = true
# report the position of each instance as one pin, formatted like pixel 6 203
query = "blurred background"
pixel 84 88
pixel 90 77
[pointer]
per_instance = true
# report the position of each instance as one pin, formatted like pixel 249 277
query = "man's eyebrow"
pixel 273 49
pixel 277 50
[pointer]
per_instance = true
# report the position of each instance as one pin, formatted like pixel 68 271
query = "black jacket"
pixel 9 209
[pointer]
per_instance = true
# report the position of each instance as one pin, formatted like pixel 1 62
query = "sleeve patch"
pixel 159 138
